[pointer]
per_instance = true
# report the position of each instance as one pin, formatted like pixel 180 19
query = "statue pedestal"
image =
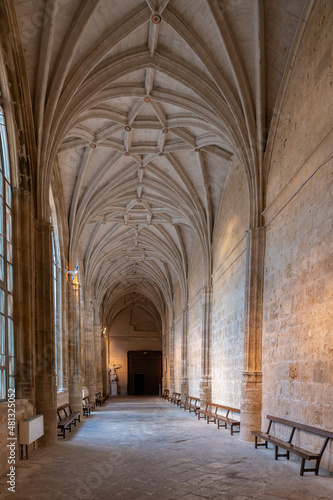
pixel 113 388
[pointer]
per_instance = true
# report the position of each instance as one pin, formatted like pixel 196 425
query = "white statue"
pixel 113 372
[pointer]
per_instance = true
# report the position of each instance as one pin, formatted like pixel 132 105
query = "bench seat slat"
pixel 66 422
pixel 291 448
pixel 210 414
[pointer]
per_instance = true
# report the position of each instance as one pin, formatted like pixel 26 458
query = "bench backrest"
pixel 210 406
pixel 194 401
pixel 63 409
pixel 227 409
pixel 303 427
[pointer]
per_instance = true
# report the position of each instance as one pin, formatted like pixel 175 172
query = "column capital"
pixel 252 377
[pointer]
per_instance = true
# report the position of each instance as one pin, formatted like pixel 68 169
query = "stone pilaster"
pixel 251 392
pixel 24 286
pixel 184 367
pixel 46 390
pixel 171 359
pixel 105 364
pixel 89 348
pixel 64 311
pixel 99 367
pixel 206 380
pixel 164 360
pixel 74 347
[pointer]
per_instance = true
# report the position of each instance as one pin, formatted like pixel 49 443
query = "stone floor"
pixel 137 448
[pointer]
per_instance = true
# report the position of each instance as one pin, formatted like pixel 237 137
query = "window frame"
pixel 7 355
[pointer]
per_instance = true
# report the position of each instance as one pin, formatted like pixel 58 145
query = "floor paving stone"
pixel 120 452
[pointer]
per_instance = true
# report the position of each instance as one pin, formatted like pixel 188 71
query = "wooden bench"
pixel 165 394
pixel 191 404
pixel 99 399
pixel 87 406
pixel 184 402
pixel 67 418
pixel 176 398
pixel 170 396
pixel 224 418
pixel 173 398
pixel 288 446
pixel 206 412
pixel 220 414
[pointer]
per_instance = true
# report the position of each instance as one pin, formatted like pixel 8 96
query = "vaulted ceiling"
pixel 143 106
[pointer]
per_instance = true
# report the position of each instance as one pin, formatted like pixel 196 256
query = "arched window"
pixel 57 295
pixel 7 374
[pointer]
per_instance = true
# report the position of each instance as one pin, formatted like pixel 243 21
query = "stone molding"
pixel 318 159
pixel 229 260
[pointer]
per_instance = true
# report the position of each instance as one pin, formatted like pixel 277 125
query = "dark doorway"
pixel 144 372
pixel 139 384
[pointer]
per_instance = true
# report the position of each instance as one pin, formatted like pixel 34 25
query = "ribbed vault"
pixel 143 106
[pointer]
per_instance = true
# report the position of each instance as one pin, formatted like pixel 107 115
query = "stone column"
pixel 171 359
pixel 164 360
pixel 206 379
pixel 24 286
pixel 99 368
pixel 89 347
pixel 251 391
pixel 64 333
pixel 105 364
pixel 184 373
pixel 74 347
pixel 46 390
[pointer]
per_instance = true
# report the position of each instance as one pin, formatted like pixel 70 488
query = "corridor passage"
pixel 137 448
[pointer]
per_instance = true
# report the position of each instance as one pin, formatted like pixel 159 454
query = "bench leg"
pixel 276 452
pixel 302 467
pixel 238 425
pixel 317 466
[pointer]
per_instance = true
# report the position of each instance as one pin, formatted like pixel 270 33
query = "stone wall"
pixel 228 290
pixel 178 354
pixel 178 337
pixel 228 334
pixel 298 304
pixel 194 346
pixel 132 330
pixel 305 117
pixel 194 342
pixel 298 290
